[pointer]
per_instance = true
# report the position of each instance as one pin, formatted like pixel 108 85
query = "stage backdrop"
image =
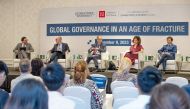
pixel 80 26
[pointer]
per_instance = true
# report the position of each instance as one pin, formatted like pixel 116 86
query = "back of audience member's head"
pixel 168 96
pixel 147 78
pixel 3 72
pixel 186 88
pixel 53 76
pixel 36 65
pixel 24 65
pixel 80 73
pixel 28 94
pixel 3 99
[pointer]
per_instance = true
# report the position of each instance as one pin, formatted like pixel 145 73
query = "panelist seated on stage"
pixel 59 50
pixel 23 49
pixel 95 51
pixel 167 52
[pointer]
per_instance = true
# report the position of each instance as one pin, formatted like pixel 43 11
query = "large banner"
pixel 125 28
pixel 117 25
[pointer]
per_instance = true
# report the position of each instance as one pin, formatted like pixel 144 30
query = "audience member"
pixel 147 79
pixel 3 74
pixel 187 89
pixel 36 65
pixel 80 79
pixel 123 73
pixel 53 77
pixel 168 96
pixel 24 67
pixel 28 94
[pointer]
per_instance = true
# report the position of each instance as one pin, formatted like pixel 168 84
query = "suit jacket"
pixel 102 47
pixel 28 46
pixel 172 49
pixel 65 48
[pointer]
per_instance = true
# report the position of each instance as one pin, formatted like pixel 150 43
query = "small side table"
pixel 147 59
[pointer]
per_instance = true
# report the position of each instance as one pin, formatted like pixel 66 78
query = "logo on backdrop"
pixel 102 14
pixel 84 14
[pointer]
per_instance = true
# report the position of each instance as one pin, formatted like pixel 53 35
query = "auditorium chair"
pixel 101 82
pixel 79 103
pixel 102 63
pixel 116 84
pixel 122 101
pixel 126 92
pixel 179 81
pixel 79 92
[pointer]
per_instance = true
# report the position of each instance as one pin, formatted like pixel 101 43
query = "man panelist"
pixel 59 50
pixel 23 49
pixel 95 51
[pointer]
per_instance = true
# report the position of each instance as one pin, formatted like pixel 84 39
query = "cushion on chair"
pixel 61 60
pixel 170 62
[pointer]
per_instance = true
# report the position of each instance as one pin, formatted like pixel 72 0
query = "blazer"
pixel 172 49
pixel 28 46
pixel 65 48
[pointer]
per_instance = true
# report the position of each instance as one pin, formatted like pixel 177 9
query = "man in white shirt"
pixel 53 77
pixel 147 79
pixel 24 67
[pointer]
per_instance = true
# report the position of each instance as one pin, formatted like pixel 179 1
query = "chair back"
pixel 105 56
pixel 116 84
pixel 100 80
pixel 120 102
pixel 79 92
pixel 125 92
pixel 79 103
pixel 179 81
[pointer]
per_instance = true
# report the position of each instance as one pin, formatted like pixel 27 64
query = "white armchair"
pixel 66 63
pixel 171 64
pixel 101 63
pixel 137 61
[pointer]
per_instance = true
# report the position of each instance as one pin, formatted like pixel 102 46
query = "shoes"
pixel 156 66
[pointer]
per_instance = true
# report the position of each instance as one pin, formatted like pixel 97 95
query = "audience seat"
pixel 179 81
pixel 79 92
pixel 116 84
pixel 101 82
pixel 79 103
pixel 125 92
pixel 120 102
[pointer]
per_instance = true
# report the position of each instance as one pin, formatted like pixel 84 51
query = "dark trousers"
pixel 164 59
pixel 55 56
pixel 94 58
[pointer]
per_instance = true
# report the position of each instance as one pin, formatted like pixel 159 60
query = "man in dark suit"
pixel 23 49
pixel 59 50
pixel 95 51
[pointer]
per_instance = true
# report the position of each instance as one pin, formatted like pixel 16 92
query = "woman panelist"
pixel 134 50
